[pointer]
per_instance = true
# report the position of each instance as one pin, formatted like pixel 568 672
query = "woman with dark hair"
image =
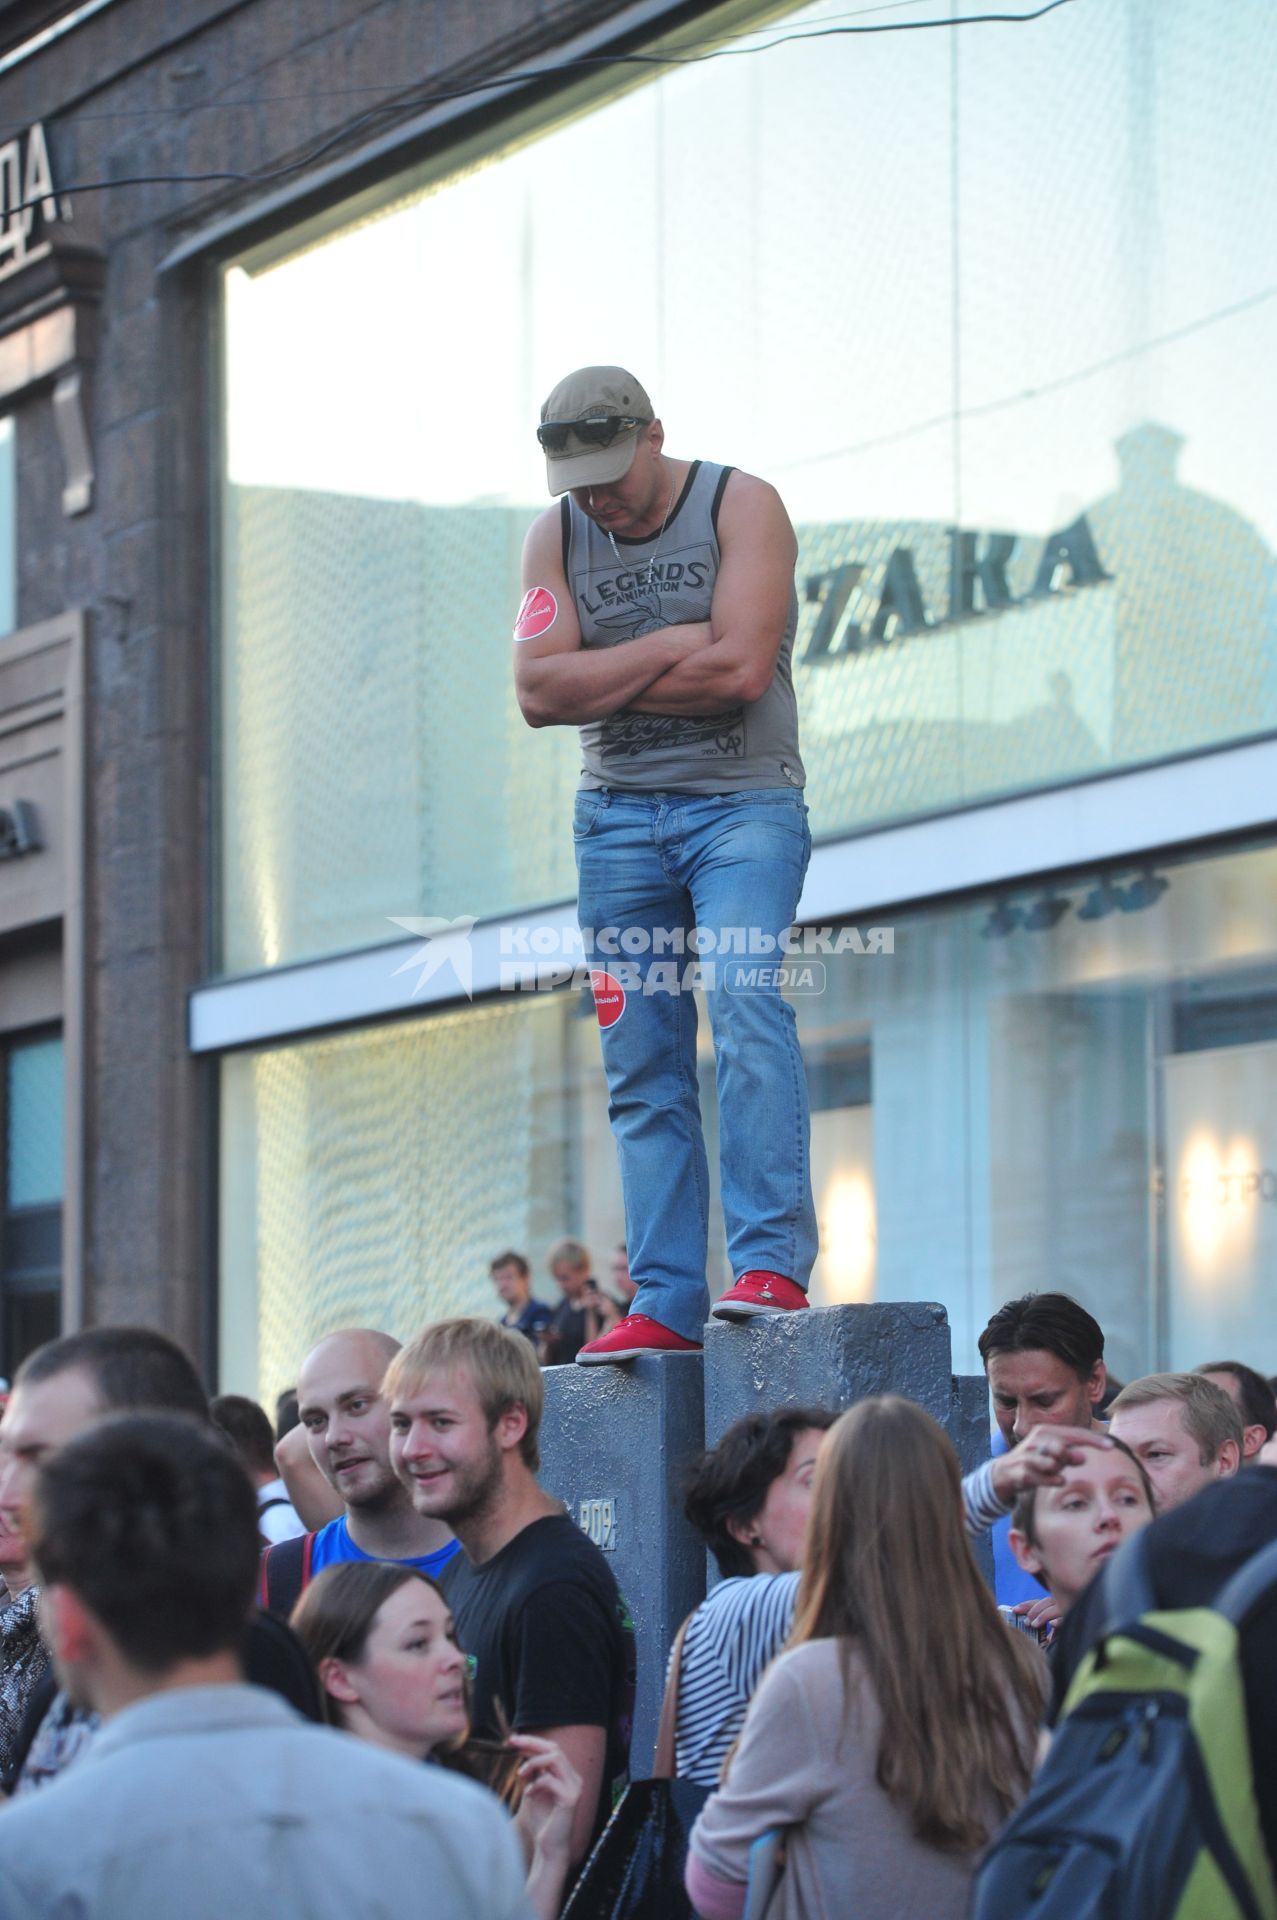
pixel 748 1500
pixel 896 1731
pixel 382 1640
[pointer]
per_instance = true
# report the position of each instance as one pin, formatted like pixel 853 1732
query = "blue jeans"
pixel 679 862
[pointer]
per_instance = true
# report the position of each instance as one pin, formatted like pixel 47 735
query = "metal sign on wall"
pixel 28 202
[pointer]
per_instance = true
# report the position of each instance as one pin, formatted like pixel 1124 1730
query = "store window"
pixel 1068 1087
pixel 31 1219
pixel 989 306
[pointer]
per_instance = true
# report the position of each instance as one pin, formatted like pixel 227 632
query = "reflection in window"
pixel 1003 1101
pixel 1020 417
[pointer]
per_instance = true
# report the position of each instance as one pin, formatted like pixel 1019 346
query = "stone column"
pixel 836 1355
pixel 615 1444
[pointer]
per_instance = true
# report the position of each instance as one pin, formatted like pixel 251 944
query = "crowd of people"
pixel 584 1310
pixel 323 1665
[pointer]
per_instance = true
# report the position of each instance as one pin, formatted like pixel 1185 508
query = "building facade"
pixel 295 1034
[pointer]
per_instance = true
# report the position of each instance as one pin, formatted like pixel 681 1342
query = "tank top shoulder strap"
pixel 724 475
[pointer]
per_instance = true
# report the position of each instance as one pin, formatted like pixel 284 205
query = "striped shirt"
pixel 730 1639
pixel 981 1504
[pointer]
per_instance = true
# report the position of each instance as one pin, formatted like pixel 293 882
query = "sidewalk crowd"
pixel 359 1660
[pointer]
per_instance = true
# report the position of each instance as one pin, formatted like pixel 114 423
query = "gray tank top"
pixel 659 582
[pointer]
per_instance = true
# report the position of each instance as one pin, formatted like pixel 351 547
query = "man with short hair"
pixel 659 615
pixel 583 1312
pixel 1253 1398
pixel 345 1431
pixel 1044 1357
pixel 61 1388
pixel 512 1277
pixel 205 1796
pixel 535 1603
pixel 248 1431
pixel 1184 1431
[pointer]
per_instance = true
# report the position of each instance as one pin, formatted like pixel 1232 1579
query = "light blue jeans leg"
pixel 743 859
pixel 626 887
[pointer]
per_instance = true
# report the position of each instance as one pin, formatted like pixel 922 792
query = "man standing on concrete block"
pixel 658 615
pixel 535 1603
pixel 1044 1357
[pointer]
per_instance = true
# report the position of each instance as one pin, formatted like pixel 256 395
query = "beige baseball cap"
pixel 590 450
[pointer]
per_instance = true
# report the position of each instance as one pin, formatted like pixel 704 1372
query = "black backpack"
pixel 1145 1808
pixel 285 1572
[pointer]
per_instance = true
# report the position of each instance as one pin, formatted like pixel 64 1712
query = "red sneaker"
pixel 758 1295
pixel 630 1339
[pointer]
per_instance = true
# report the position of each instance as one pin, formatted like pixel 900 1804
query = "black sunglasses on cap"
pixel 596 430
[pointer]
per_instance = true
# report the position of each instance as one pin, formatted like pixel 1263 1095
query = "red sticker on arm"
pixel 537 615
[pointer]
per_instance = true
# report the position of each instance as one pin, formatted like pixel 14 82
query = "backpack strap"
pixel 664 1764
pixel 1249 1584
pixel 285 1572
pixel 1128 1587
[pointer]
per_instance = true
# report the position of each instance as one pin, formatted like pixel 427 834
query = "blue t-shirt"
pixel 334 1544
pixel 1011 1583
pixel 534 1316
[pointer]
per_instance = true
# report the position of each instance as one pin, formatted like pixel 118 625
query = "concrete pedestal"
pixel 837 1355
pixel 616 1443
pixel 827 1358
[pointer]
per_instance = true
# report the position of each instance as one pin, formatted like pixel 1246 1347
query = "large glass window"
pixel 31 1214
pixel 990 305
pixel 1069 1087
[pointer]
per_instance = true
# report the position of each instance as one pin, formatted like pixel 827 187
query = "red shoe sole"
pixel 620 1355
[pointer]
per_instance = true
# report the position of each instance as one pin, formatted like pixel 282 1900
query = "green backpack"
pixel 1145 1807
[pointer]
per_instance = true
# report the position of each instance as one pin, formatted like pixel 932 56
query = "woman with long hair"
pixel 382 1641
pixel 895 1732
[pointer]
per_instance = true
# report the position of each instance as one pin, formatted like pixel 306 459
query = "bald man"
pixel 345 1429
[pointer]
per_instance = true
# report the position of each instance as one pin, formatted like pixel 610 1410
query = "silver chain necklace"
pixel 656 554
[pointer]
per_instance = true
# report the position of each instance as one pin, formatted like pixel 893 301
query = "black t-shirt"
pixel 568 1326
pixel 551 1638
pixel 1192 1551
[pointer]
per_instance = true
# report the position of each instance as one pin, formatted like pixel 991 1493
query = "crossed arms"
pixel 695 668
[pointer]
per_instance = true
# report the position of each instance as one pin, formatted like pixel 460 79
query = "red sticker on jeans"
pixel 609 997
pixel 537 615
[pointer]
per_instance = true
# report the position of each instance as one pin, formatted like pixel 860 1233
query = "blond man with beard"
pixel 535 1603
